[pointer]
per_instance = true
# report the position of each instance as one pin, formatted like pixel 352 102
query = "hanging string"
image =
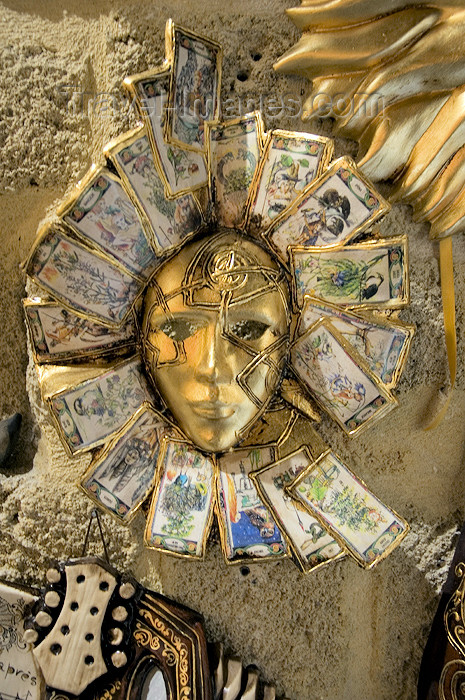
pixel 446 266
pixel 94 515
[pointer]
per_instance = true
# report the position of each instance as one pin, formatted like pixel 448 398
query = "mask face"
pixel 215 336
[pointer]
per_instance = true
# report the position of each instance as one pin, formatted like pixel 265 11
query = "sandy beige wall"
pixel 338 634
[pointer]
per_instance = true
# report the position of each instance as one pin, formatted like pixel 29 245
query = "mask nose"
pixel 215 362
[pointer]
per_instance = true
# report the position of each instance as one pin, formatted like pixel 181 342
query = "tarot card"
pixel 383 343
pixel 357 519
pixel 81 279
pixel 181 511
pixel 310 543
pixel 170 221
pixel 101 213
pixel 247 528
pixel 233 152
pixel 337 207
pixel 20 679
pixel 87 414
pixel 194 87
pixel 181 171
pixel 290 162
pixel 339 378
pixel 57 334
pixel 120 478
pixel 363 275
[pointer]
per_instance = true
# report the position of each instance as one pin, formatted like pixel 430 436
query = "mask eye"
pixel 248 329
pixel 180 328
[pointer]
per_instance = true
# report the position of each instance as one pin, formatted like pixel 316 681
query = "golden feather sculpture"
pixel 395 74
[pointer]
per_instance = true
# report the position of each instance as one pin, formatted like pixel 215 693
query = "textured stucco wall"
pixel 340 633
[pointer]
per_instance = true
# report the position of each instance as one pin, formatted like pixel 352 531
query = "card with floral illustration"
pixel 57 334
pixel 194 87
pixel 357 519
pixel 339 378
pixel 87 414
pixel 384 343
pixel 170 222
pixel 181 171
pixel 336 208
pixel 81 279
pixel 233 152
pixel 20 677
pixel 308 540
pixel 102 214
pixel 181 511
pixel 362 275
pixel 121 477
pixel 291 162
pixel 248 530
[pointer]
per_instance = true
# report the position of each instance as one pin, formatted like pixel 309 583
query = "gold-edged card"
pixel 170 222
pixel 88 413
pixel 291 160
pixel 343 504
pixel 182 506
pixel 121 476
pixel 58 335
pixel 248 531
pixel 360 276
pixel 233 154
pixel 309 542
pixel 195 85
pixel 181 171
pixel 21 678
pixel 339 378
pixel 102 214
pixel 329 212
pixel 384 343
pixel 83 280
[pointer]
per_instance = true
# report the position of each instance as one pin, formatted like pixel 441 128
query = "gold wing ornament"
pixel 393 78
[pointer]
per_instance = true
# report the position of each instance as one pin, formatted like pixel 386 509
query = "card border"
pixel 350 549
pixel 303 565
pixel 155 493
pixel 353 353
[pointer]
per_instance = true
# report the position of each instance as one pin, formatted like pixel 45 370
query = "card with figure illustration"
pixel 194 95
pixel 20 678
pixel 233 153
pixel 291 162
pixel 81 279
pixel 170 222
pixel 57 334
pixel 339 378
pixel 383 343
pixel 87 414
pixel 336 208
pixel 181 171
pixel 362 276
pixel 343 504
pixel 102 214
pixel 248 531
pixel 181 510
pixel 121 477
pixel 310 543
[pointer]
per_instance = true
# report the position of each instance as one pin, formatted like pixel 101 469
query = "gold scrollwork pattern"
pixel 58 696
pixel 146 638
pixel 168 633
pixel 109 692
pixel 452 681
pixel 454 613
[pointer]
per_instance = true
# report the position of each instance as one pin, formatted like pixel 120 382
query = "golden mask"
pixel 215 336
